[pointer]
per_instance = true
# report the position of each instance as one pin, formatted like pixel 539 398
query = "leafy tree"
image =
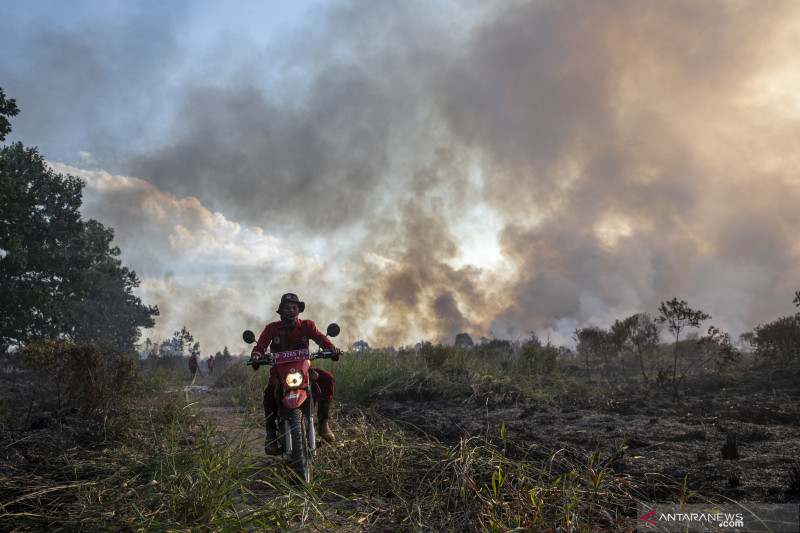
pixel 746 339
pixel 640 334
pixel 677 315
pixel 539 359
pixel 224 357
pixel 60 277
pixel 596 342
pixel 796 302
pixel 8 108
pixel 107 311
pixel 148 345
pixel 500 350
pixel 182 339
pixel 361 346
pixel 165 348
pixel 718 345
pixel 777 342
pixel 188 340
pixel 39 226
pixel 463 340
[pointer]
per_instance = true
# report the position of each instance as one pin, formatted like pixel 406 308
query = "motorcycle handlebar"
pixel 322 354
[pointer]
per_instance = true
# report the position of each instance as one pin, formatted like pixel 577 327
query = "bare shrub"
pixel 499 350
pixel 537 359
pixel 778 342
pixel 794 478
pixel 84 376
pixel 678 316
pixel 730 449
pixel 434 355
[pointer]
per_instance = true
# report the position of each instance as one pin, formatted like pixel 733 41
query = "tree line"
pixel 639 337
pixel 61 277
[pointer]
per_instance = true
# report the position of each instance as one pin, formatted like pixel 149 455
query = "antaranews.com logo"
pixel 778 518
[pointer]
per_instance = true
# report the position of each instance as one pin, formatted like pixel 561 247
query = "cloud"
pixel 607 155
pixel 203 271
pixel 89 76
pixel 636 135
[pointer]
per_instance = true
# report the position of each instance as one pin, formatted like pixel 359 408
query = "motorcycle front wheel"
pixel 299 430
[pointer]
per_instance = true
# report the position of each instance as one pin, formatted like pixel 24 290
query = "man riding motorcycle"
pixel 286 334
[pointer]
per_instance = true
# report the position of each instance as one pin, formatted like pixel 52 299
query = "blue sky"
pixel 418 169
pixel 123 66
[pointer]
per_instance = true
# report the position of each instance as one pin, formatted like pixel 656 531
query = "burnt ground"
pixel 733 439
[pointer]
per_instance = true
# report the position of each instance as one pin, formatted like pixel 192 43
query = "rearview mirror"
pixel 249 337
pixel 333 330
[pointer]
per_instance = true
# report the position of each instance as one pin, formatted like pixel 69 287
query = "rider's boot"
pixel 271 444
pixel 323 415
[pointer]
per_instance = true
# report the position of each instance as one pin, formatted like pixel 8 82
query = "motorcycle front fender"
pixel 294 398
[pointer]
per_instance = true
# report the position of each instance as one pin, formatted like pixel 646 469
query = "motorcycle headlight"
pixel 294 379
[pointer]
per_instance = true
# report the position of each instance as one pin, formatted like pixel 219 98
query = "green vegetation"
pixel 446 373
pixel 778 342
pixel 82 376
pixel 633 346
pixel 678 316
pixel 8 108
pixel 61 278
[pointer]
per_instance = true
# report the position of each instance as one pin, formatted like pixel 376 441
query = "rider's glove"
pixel 335 353
pixel 254 357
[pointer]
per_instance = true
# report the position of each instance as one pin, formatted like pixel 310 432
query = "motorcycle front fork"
pixel 308 408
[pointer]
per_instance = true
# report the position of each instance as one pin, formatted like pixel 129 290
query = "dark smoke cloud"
pixel 329 140
pixel 84 85
pixel 608 137
pixel 621 152
pixel 587 112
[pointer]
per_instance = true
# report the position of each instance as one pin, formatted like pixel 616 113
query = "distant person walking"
pixel 193 365
pixel 210 365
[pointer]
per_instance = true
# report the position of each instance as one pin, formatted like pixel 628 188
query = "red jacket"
pixel 299 336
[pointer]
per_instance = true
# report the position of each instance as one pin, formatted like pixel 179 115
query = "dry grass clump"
pixel 400 482
pixel 67 376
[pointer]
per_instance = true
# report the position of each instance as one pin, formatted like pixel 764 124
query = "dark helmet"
pixel 291 297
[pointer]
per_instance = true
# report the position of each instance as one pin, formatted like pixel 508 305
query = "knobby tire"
pixel 300 464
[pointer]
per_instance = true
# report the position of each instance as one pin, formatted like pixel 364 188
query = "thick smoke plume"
pixel 528 166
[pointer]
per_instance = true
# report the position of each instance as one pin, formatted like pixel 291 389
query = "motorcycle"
pixel 296 405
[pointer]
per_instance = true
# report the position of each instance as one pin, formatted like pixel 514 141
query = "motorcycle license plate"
pixel 291 356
